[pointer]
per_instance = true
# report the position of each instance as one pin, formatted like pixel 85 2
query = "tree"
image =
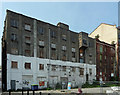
pixel 97 36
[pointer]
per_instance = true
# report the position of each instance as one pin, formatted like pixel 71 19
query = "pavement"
pixel 84 90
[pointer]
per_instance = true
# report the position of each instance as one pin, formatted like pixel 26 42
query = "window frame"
pixel 27 27
pixel 14 23
pixel 12 67
pixel 41 67
pixel 27 67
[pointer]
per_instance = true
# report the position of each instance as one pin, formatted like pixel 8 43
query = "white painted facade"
pixel 34 75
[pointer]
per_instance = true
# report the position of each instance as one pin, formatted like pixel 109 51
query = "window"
pixel 53 45
pixel 14 23
pixel 73 54
pixel 111 58
pixel 100 64
pixel 81 60
pixel 90 61
pixel 53 54
pixel 105 49
pixel 81 70
pixel 27 39
pixel 73 39
pixel 27 46
pixel 14 50
pixel 90 44
pixel 84 42
pixel 73 69
pixel 53 34
pixel 64 56
pixel 14 64
pixel 13 37
pixel 105 57
pixel 73 49
pixel 101 57
pixel 119 41
pixel 90 55
pixel 119 35
pixel 27 65
pixel 90 71
pixel 73 59
pixel 53 68
pixel 27 27
pixel 41 66
pixel 41 43
pixel 40 30
pixel 64 48
pixel 100 73
pixel 101 49
pixel 64 68
pixel 41 52
pixel 27 53
pixel 64 37
pixel 81 54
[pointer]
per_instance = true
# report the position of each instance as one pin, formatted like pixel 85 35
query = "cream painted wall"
pixel 107 33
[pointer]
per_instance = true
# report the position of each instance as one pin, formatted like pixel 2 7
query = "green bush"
pixel 87 85
pixel 49 88
pixel 58 86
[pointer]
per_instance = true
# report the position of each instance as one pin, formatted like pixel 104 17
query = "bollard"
pixel 40 93
pixel 33 92
pixel 9 92
pixel 27 92
pixel 22 92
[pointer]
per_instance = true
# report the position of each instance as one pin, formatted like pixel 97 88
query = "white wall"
pixel 34 75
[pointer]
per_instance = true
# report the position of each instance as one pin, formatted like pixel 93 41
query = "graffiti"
pixel 41 83
pixel 25 82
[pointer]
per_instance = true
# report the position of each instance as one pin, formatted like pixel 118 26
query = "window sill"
pixel 28 30
pixel 14 68
pixel 27 69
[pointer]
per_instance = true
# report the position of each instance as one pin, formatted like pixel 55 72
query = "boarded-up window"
pixel 73 69
pixel 81 71
pixel 53 68
pixel 27 65
pixel 14 64
pixel 41 52
pixel 53 54
pixel 90 71
pixel 27 39
pixel 64 68
pixel 14 50
pixel 41 66
pixel 64 55
pixel 27 53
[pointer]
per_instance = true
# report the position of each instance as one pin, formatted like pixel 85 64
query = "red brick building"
pixel 105 61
